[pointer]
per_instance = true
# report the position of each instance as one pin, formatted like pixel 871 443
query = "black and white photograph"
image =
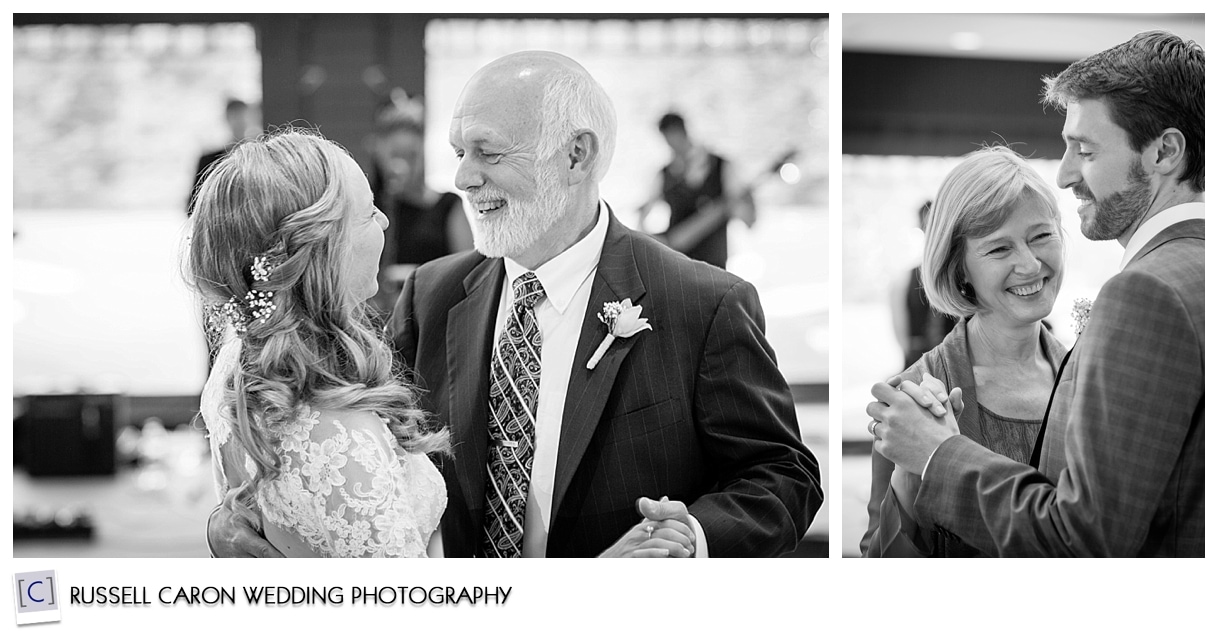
pixel 766 289
pixel 399 285
pixel 1037 184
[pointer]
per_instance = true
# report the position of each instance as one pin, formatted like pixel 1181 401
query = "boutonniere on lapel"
pixel 1081 314
pixel 622 320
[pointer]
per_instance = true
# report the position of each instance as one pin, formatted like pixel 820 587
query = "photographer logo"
pixel 36 597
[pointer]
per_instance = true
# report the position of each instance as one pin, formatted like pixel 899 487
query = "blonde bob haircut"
pixel 976 199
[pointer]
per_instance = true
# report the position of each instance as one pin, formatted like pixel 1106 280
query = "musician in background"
pixel 703 193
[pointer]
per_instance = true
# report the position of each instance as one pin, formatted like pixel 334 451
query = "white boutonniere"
pixel 622 320
pixel 1082 314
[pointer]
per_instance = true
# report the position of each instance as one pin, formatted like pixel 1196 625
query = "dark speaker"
pixel 70 435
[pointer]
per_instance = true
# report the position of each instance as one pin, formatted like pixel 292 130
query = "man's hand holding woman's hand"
pixel 911 420
pixel 664 532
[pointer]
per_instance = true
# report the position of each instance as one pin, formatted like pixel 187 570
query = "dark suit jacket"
pixel 888 534
pixel 1122 471
pixel 695 409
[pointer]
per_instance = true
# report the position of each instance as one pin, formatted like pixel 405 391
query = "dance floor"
pixel 160 510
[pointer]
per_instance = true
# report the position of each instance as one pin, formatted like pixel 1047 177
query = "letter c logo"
pixel 30 594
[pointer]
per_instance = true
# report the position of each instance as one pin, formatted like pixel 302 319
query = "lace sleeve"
pixel 358 486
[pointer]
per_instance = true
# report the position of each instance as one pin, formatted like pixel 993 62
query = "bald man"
pixel 677 441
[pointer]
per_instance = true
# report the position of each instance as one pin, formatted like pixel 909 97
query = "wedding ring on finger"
pixel 650 529
pixel 871 427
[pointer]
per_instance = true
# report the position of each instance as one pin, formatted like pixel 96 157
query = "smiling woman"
pixel 993 259
pixel 1014 271
pixel 975 221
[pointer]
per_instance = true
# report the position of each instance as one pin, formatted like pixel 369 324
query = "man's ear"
pixel 1165 154
pixel 582 154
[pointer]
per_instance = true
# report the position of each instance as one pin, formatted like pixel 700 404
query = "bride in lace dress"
pixel 315 437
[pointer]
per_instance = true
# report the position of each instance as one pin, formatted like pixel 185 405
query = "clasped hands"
pixel 910 421
pixel 665 531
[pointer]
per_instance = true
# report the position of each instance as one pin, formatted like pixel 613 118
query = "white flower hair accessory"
pixel 622 320
pixel 261 270
pixel 258 304
pixel 1082 314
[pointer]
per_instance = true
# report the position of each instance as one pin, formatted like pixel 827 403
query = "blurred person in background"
pixel 317 441
pixel 993 259
pixel 424 224
pixel 703 194
pixel 240 118
pixel 1118 468
pixel 918 327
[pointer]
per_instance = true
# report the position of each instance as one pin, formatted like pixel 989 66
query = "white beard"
pixel 511 231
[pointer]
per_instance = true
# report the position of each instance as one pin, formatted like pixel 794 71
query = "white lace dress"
pixel 347 489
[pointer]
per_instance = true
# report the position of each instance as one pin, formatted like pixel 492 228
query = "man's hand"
pixel 232 533
pixel 663 532
pixel 907 433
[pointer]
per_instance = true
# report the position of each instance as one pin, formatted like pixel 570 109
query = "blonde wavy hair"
pixel 284 193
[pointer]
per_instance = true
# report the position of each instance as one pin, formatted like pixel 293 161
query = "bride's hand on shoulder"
pixel 232 532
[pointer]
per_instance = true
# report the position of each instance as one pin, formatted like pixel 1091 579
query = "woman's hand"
pixel 930 392
pixel 649 538
pixel 231 533
pixel 905 486
pixel 663 532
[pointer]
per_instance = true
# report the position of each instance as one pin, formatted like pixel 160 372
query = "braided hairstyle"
pixel 282 197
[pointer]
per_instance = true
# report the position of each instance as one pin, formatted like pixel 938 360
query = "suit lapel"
pixel 617 278
pixel 471 326
pixel 1189 228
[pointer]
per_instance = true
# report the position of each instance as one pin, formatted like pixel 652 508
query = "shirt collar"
pixel 1159 223
pixel 562 275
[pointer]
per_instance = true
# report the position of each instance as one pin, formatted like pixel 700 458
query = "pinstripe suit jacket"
pixel 695 409
pixel 1122 471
